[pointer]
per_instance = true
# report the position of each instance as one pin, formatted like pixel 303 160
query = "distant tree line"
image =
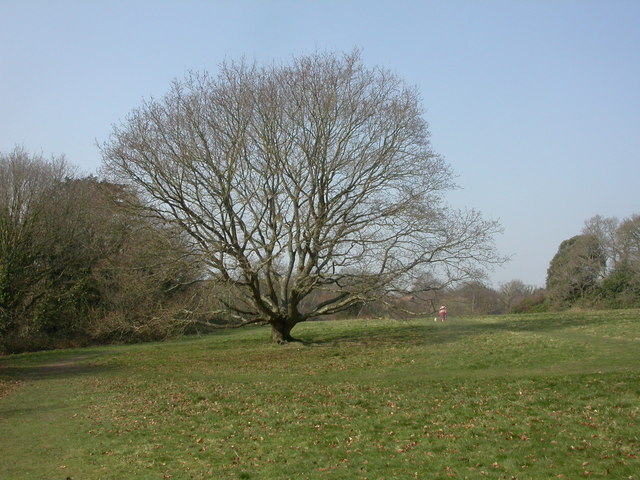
pixel 473 297
pixel 599 268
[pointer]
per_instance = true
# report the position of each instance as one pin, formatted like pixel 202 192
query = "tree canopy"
pixel 619 240
pixel 575 270
pixel 304 188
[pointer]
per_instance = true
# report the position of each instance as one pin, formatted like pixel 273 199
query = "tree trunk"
pixel 281 332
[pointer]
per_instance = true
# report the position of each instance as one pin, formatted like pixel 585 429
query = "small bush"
pixel 533 304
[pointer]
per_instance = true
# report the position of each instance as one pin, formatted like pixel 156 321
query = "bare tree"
pixel 605 230
pixel 513 292
pixel 629 239
pixel 473 298
pixel 293 179
pixel 620 242
pixel 141 274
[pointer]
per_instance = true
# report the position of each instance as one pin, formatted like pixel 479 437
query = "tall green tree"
pixel 76 266
pixel 575 270
pixel 27 186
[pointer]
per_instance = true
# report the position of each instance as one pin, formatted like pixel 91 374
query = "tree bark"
pixel 281 332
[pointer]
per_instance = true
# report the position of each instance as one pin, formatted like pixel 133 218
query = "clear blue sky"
pixel 535 104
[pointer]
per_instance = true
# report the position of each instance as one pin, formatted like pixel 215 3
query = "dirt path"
pixel 67 363
pixel 12 377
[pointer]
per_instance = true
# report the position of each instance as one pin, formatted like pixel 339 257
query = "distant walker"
pixel 443 313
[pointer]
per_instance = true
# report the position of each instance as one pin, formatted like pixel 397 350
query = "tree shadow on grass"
pixel 14 377
pixel 537 324
pixel 395 333
pixel 431 334
pixel 61 368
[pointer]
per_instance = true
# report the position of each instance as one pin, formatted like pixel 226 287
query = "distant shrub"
pixel 534 304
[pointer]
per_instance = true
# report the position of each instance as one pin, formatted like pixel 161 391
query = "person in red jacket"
pixel 443 313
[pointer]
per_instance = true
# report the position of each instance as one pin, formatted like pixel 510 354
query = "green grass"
pixel 526 397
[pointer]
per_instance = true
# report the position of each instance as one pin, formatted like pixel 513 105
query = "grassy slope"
pixel 537 396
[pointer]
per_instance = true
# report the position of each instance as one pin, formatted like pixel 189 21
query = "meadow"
pixel 553 395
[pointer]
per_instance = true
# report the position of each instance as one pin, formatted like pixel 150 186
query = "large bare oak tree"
pixel 306 188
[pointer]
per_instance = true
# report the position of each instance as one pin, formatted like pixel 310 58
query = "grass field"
pixel 513 397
